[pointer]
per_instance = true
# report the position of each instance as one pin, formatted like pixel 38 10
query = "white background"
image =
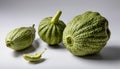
pixel 17 13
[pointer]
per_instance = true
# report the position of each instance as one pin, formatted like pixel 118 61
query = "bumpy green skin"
pixel 51 31
pixel 86 34
pixel 20 38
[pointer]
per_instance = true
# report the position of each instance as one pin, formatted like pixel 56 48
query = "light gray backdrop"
pixel 17 13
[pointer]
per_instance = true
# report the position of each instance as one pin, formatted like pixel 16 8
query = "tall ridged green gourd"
pixel 51 29
pixel 20 38
pixel 86 34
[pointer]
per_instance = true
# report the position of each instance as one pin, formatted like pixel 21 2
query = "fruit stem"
pixel 56 17
pixel 8 43
pixel 69 41
pixel 33 25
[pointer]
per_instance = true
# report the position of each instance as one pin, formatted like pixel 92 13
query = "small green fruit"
pixel 51 29
pixel 20 38
pixel 86 34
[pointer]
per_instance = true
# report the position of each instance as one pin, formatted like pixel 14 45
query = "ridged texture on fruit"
pixel 49 32
pixel 86 34
pixel 20 38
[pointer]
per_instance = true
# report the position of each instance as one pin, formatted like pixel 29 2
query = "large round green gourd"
pixel 51 29
pixel 86 34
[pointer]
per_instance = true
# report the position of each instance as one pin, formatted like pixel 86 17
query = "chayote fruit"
pixel 20 38
pixel 51 29
pixel 86 34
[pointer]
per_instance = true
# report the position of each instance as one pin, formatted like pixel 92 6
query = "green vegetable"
pixel 33 58
pixel 51 29
pixel 20 38
pixel 86 34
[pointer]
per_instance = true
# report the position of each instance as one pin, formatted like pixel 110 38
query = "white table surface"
pixel 17 13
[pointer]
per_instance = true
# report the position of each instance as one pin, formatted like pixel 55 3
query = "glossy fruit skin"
pixel 86 34
pixel 20 38
pixel 51 31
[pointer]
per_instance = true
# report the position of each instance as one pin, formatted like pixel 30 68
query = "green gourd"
pixel 20 38
pixel 51 29
pixel 86 34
